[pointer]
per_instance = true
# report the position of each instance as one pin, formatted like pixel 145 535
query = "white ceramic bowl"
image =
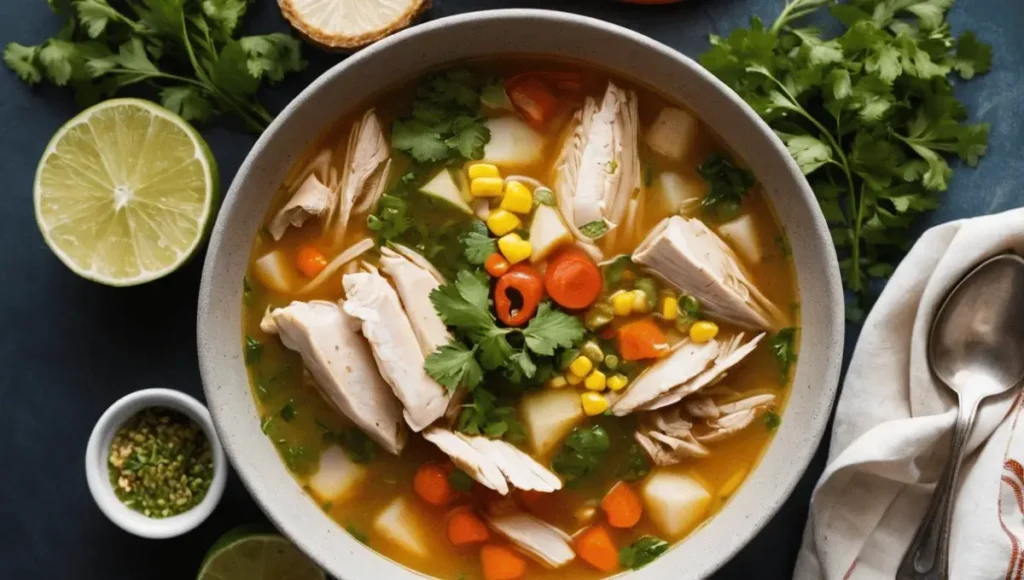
pixel 507 32
pixel 98 451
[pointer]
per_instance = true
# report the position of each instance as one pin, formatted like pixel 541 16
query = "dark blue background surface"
pixel 69 348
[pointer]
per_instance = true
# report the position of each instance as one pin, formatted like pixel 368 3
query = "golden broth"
pixel 279 381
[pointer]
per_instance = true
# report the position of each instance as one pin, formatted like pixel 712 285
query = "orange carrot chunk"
pixel 622 506
pixel 572 279
pixel 642 339
pixel 431 484
pixel 465 528
pixel 595 547
pixel 310 261
pixel 496 265
pixel 501 563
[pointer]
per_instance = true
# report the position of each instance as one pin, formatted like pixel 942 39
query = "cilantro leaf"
pixel 464 304
pixel 642 552
pixel 460 480
pixel 24 61
pixel 808 152
pixel 454 365
pixel 783 346
pixel 94 15
pixel 636 466
pixel 594 229
pixel 189 102
pixel 772 420
pixel 581 452
pixel 478 247
pixel 483 416
pixel 272 56
pixel 550 329
pixel 445 124
pixel 972 56
pixel 728 185
pixel 253 351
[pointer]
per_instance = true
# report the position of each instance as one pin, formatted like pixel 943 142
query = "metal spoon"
pixel 976 348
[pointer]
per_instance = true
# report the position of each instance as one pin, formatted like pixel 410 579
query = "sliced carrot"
pixel 310 261
pixel 622 506
pixel 532 99
pixel 431 484
pixel 572 279
pixel 465 528
pixel 501 563
pixel 595 547
pixel 641 339
pixel 496 265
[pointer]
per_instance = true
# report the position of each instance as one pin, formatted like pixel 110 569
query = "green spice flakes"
pixel 160 463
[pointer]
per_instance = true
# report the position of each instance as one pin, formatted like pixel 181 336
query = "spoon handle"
pixel 927 557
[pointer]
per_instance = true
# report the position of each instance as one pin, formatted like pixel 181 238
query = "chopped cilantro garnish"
pixel 581 452
pixel 483 416
pixel 460 481
pixel 288 411
pixel 642 552
pixel 253 351
pixel 727 186
pixel 772 420
pixel 445 124
pixel 636 465
pixel 784 348
pixel 477 246
pixel 594 229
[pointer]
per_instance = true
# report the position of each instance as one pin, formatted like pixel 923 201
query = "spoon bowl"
pixel 976 348
pixel 977 339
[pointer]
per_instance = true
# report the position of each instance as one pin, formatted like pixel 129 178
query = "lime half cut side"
pixel 245 556
pixel 125 192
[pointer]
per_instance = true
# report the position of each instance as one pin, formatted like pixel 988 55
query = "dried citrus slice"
pixel 350 24
pixel 124 192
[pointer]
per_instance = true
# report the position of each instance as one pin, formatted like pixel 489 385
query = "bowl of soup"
pixel 519 294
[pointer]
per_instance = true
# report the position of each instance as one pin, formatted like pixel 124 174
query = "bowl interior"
pixel 509 32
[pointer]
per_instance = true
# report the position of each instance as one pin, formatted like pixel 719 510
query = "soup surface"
pixel 520 318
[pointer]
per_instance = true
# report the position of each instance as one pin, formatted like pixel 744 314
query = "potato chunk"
pixel 548 416
pixel 676 502
pixel 400 524
pixel 337 477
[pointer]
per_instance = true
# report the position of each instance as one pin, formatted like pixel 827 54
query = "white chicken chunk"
pixel 468 459
pixel 312 199
pixel 545 543
pixel 414 284
pixel 688 255
pixel 689 368
pixel 342 366
pixel 367 161
pixel 598 172
pixel 395 347
pixel 495 464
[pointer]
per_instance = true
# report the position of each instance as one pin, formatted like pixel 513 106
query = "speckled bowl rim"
pixel 518 31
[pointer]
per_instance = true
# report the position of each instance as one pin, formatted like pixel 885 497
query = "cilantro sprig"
pixel 868 115
pixel 185 51
pixel 481 345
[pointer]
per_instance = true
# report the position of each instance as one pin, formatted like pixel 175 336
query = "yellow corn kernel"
pixel 573 379
pixel 617 382
pixel 703 331
pixel 581 366
pixel 517 198
pixel 595 381
pixel 640 302
pixel 557 382
pixel 501 222
pixel 669 308
pixel 594 403
pixel 486 186
pixel 622 303
pixel 483 170
pixel 514 248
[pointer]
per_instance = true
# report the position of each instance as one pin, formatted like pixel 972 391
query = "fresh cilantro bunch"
pixel 869 115
pixel 445 124
pixel 481 345
pixel 184 49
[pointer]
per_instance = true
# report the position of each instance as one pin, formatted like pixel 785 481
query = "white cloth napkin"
pixel 892 431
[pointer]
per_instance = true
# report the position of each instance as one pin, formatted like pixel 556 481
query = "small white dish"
pixel 98 451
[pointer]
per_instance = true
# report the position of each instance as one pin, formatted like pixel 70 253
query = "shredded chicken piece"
pixel 312 199
pixel 735 417
pixel 364 176
pixel 667 438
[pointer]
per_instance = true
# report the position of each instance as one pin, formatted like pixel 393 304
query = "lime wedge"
pixel 243 555
pixel 125 192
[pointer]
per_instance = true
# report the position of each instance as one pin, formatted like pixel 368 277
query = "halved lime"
pixel 124 192
pixel 243 555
